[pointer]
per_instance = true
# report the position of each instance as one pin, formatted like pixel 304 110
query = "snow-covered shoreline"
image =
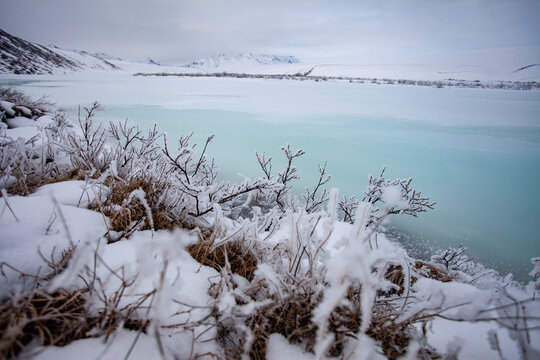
pixel 475 84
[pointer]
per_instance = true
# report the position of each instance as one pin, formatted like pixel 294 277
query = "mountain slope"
pixel 18 56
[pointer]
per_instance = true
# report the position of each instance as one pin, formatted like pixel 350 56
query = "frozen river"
pixel 476 152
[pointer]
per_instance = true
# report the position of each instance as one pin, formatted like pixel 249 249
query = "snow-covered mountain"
pixel 245 59
pixel 18 56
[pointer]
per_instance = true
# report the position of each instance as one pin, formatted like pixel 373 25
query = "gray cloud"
pixel 316 30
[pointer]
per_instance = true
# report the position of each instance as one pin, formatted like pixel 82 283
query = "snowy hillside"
pixel 19 56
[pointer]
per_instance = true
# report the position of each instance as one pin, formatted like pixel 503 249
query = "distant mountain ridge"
pixel 243 59
pixel 18 56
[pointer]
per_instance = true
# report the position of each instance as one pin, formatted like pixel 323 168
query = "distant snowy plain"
pixel 476 152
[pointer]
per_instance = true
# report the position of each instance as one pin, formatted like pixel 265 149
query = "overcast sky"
pixel 178 31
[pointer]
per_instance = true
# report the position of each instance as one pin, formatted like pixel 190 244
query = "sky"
pixel 180 31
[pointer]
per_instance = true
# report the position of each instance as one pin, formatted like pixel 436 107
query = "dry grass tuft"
pixel 121 190
pixel 57 319
pixel 396 276
pixel 241 258
pixel 432 271
pixel 128 217
pixel 289 317
pixel 124 215
pixel 31 184
pixel 393 336
pixel 292 317
pixel 164 221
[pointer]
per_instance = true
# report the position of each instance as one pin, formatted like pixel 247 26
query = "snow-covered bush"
pixel 452 259
pixel 32 158
pixel 397 196
pixel 534 285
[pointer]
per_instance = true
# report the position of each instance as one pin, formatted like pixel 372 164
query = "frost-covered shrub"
pixel 534 285
pixel 397 196
pixel 26 163
pixel 452 259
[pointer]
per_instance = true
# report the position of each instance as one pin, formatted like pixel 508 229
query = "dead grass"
pixel 396 276
pixel 58 318
pixel 122 218
pixel 390 335
pixel 292 318
pixel 433 272
pixel 289 317
pixel 127 217
pixel 30 185
pixel 55 319
pixel 241 258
